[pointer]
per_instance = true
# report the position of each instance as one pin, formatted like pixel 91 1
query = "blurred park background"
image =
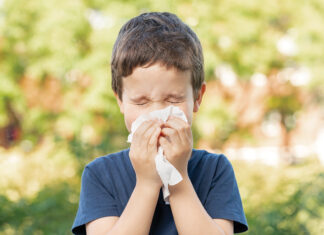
pixel 264 106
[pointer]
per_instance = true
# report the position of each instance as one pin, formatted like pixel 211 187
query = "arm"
pixel 141 205
pixel 142 201
pixel 189 215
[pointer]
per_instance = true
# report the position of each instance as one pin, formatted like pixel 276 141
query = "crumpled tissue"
pixel 168 173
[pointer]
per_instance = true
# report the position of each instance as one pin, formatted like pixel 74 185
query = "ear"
pixel 120 103
pixel 199 98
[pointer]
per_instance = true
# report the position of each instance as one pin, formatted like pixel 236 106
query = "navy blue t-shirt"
pixel 108 182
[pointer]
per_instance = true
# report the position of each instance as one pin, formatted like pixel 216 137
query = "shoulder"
pixel 205 158
pixel 201 153
pixel 110 164
pixel 205 167
pixel 109 160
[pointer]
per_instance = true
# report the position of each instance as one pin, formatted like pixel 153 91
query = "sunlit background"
pixel 264 105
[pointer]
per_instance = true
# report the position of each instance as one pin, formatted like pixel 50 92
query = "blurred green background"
pixel 263 107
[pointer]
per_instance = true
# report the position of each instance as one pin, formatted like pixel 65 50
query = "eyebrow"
pixel 139 98
pixel 175 96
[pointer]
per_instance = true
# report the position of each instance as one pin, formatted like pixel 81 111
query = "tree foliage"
pixel 55 87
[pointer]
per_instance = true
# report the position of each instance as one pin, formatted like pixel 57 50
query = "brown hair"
pixel 156 37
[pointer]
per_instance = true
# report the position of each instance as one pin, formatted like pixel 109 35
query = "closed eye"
pixel 175 102
pixel 141 103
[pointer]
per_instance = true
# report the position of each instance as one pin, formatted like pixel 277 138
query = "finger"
pixel 148 132
pixel 175 118
pixel 153 140
pixel 168 148
pixel 171 134
pixel 181 126
pixel 144 127
pixel 165 144
pixel 175 122
pixel 146 137
pixel 138 138
pixel 142 142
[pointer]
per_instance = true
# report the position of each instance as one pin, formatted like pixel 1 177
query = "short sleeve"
pixel 95 201
pixel 223 199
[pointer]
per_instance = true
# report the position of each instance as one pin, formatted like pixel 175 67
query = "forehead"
pixel 157 79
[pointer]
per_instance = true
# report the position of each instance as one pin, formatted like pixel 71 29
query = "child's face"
pixel 156 87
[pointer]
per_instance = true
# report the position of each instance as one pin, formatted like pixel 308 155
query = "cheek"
pixel 130 115
pixel 188 112
pixel 129 119
pixel 189 118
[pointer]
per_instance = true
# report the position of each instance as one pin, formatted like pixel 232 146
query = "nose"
pixel 157 105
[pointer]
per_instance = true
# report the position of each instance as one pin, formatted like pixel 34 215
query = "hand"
pixel 142 153
pixel 176 141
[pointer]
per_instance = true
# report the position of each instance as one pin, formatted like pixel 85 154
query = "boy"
pixel 157 61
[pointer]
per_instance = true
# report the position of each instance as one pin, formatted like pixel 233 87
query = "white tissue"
pixel 167 172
